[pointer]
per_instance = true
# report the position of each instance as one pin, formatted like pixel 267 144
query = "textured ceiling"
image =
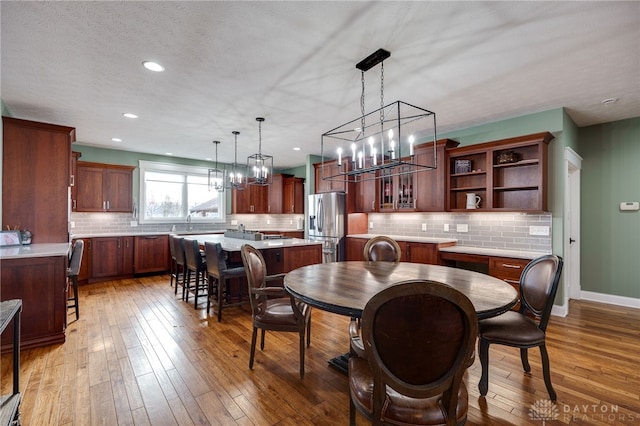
pixel 79 64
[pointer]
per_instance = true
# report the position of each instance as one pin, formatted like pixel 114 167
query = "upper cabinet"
pixel 36 178
pixel 293 195
pixel 252 199
pixel 430 184
pixel 506 175
pixel 284 195
pixel 103 187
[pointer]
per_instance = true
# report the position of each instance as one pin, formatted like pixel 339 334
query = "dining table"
pixel 344 288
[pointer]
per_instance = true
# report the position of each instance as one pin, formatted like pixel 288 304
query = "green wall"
pixel 610 248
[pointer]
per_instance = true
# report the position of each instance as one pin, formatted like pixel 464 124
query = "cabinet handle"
pixel 74 204
pixel 373 205
pixel 508 265
pixel 127 243
pixel 108 205
pixel 119 243
pixel 104 205
pixel 73 180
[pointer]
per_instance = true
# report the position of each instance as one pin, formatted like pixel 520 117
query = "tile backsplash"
pixel 490 230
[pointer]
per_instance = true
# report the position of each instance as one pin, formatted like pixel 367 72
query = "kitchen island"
pixel 281 255
pixel 37 274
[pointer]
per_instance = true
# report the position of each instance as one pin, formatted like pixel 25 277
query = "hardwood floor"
pixel 140 355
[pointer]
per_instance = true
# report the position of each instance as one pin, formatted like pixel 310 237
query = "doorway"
pixel 572 286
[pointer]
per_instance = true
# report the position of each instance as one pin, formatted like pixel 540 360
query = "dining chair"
pixel 196 264
pixel 72 275
pixel 525 328
pixel 418 339
pixel 219 274
pixel 272 308
pixel 181 263
pixel 382 248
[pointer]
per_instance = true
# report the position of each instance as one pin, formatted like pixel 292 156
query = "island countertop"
pixel 234 244
pixel 35 250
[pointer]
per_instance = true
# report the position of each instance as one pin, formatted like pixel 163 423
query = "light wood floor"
pixel 139 355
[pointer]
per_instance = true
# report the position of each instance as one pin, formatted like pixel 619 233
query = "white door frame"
pixel 571 231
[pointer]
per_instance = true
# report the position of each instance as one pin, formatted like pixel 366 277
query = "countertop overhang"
pixel 234 244
pixel 35 250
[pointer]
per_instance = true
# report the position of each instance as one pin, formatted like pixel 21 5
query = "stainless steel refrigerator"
pixel 327 223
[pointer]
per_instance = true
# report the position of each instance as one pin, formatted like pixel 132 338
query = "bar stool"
pixel 72 275
pixel 197 265
pixel 177 255
pixel 217 272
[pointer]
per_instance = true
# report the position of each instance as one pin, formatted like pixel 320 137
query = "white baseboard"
pixel 610 299
pixel 560 310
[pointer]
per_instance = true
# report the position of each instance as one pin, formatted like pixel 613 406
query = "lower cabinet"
pixel 151 254
pixel 412 251
pixel 111 257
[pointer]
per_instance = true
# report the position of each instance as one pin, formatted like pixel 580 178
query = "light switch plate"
pixel 424 226
pixel 539 230
pixel 370 225
pixel 462 227
pixel 234 222
pixel 72 224
pixel 446 227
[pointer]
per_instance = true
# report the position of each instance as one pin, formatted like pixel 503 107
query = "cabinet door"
pixel 74 173
pixel 275 198
pixel 106 257
pixel 293 195
pixel 366 196
pixel 127 256
pixel 89 189
pixel 430 184
pixel 259 198
pixel 355 248
pixel 151 253
pixel 117 190
pixel 422 253
pixel 241 201
pixel 297 257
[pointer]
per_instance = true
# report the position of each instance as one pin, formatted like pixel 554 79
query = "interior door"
pixel 572 287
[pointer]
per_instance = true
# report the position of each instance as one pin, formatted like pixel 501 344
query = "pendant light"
pixel 237 176
pixel 216 176
pixel 259 165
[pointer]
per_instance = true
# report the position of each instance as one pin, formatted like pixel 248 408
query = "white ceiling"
pixel 79 64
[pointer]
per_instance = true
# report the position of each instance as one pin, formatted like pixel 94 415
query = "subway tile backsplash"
pixel 490 230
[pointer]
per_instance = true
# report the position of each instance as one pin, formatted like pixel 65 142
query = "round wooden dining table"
pixel 345 287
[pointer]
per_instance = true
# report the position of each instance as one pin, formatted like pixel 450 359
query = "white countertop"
pixel 517 254
pixel 35 250
pixel 432 240
pixel 141 234
pixel 234 244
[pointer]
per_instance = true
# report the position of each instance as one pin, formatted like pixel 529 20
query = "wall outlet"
pixel 539 230
pixel 72 224
pixel 462 227
pixel 268 221
pixel 424 226
pixel 134 223
pixel 370 225
pixel 446 227
pixel 234 222
pixel 291 222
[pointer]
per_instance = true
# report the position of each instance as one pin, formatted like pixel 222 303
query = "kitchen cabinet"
pixel 104 187
pixel 365 198
pixel 330 168
pixel 507 175
pixel 412 251
pixel 252 199
pixel 293 195
pixel 111 257
pixel 396 189
pixel 74 172
pixel 41 283
pixel 151 254
pixel 429 185
pixel 355 248
pixel 36 178
pixel 276 192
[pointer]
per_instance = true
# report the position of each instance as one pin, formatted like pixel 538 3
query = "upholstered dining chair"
pixel 382 248
pixel 273 308
pixel 72 275
pixel 418 338
pixel 219 274
pixel 196 264
pixel 181 262
pixel 527 327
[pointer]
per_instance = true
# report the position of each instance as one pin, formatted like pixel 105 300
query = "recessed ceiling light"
pixel 609 101
pixel 130 115
pixel 297 148
pixel 168 153
pixel 116 139
pixel 153 66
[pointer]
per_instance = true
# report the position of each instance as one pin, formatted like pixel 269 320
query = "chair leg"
pixel 483 350
pixel 220 296
pixel 547 373
pixel 302 333
pixel 209 292
pixel 75 297
pixel 195 301
pixel 524 356
pixel 352 412
pixel 262 340
pixel 309 332
pixel 254 336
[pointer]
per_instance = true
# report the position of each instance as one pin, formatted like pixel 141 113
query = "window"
pixel 172 192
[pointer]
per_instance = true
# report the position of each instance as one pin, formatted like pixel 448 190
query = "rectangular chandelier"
pixel 381 143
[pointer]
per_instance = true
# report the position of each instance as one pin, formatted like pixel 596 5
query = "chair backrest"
pixel 538 287
pixel 419 338
pixel 216 264
pixel 76 259
pixel 192 255
pixel 172 247
pixel 382 249
pixel 256 270
pixel 178 249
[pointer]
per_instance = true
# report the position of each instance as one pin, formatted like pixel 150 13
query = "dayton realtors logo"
pixel 545 410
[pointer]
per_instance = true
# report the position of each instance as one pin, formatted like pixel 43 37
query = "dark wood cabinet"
pixel 111 257
pixel 252 199
pixel 412 251
pixel 41 284
pixel 151 254
pixel 74 172
pixel 355 248
pixel 507 175
pixel 429 185
pixel 297 257
pixel 365 198
pixel 293 195
pixel 104 187
pixel 276 192
pixel 36 177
